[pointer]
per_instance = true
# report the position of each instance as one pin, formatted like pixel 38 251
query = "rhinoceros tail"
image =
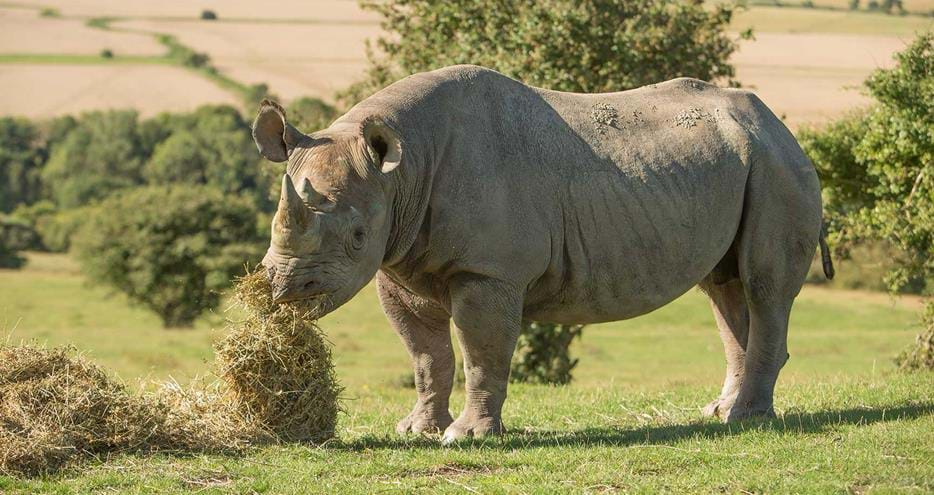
pixel 825 253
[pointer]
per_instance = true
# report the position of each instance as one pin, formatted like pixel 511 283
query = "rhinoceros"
pixel 473 197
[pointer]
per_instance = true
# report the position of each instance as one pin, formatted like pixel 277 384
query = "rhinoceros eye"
pixel 358 238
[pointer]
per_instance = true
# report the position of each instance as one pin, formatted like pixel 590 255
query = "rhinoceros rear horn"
pixel 273 134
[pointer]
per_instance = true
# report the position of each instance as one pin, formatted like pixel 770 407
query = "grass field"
pixel 629 423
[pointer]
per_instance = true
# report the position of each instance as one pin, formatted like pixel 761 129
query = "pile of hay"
pixel 276 383
pixel 55 405
pixel 276 365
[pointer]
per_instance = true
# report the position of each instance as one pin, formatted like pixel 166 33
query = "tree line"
pixel 166 209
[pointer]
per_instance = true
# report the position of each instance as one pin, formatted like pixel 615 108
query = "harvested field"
pixel 294 59
pixel 24 31
pixel 912 6
pixel 324 10
pixel 797 20
pixel 812 78
pixel 36 90
pixel 805 63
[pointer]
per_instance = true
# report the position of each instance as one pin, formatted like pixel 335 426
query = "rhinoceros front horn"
pixel 292 213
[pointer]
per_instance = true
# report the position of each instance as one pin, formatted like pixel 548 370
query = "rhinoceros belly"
pixel 633 239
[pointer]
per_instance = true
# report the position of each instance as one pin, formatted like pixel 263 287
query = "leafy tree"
pixel 311 114
pixel 570 45
pixel 211 146
pixel 877 168
pixel 170 249
pixel 102 153
pixel 18 234
pixel 56 227
pixel 21 158
pixel 9 243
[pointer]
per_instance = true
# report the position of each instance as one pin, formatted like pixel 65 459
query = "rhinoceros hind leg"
pixel 424 328
pixel 777 242
pixel 728 301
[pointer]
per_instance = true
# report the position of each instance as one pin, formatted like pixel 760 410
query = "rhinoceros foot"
pixel 468 427
pixel 730 410
pixel 424 419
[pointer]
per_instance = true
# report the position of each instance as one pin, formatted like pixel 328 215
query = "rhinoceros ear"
pixel 273 134
pixel 384 142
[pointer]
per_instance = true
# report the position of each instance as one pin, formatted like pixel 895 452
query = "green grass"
pixel 630 421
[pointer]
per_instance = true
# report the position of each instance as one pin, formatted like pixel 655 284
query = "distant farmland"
pixel 806 64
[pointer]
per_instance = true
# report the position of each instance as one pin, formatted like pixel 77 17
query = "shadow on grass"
pixel 791 422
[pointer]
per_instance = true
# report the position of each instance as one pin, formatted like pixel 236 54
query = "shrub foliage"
pixel 877 168
pixel 170 249
pixel 583 46
pixel 542 353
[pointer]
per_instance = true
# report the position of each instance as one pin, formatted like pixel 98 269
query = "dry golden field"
pixel 22 31
pixel 40 90
pixel 806 64
pixel 312 58
pixel 326 10
pixel 812 77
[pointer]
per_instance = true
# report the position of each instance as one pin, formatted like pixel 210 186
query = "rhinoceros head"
pixel 332 223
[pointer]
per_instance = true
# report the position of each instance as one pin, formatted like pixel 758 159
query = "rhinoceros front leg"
pixel 424 328
pixel 487 317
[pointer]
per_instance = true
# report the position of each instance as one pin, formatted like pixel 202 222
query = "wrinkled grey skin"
pixel 474 198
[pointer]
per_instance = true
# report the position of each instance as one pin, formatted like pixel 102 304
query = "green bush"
pixel 10 243
pixel 56 228
pixel 877 168
pixel 183 54
pixel 170 249
pixel 18 234
pixel 21 158
pixel 542 353
pixel 100 154
pixel 920 356
pixel 107 53
pixel 254 94
pixel 570 45
pixel 208 15
pixel 311 114
pixel 52 228
pixel 211 146
pixel 865 266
